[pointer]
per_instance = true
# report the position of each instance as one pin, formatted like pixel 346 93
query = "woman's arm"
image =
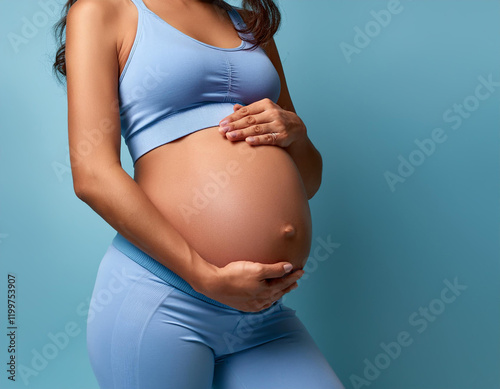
pixel 303 152
pixel 100 181
pixel 94 140
pixel 307 158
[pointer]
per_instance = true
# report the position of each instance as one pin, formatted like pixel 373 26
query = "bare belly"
pixel 229 200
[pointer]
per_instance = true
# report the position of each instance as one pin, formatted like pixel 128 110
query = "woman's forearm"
pixel 122 203
pixel 308 161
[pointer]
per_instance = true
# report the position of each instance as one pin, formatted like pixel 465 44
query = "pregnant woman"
pixel 215 226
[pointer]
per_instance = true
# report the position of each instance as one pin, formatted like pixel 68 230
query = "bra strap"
pixel 139 4
pixel 237 17
pixel 239 23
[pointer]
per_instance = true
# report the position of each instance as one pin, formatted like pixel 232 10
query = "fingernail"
pixel 225 128
pixel 288 267
pixel 223 123
pixel 250 138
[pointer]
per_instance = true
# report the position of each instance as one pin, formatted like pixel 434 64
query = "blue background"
pixel 394 249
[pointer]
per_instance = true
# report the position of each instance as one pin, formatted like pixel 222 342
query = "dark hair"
pixel 262 19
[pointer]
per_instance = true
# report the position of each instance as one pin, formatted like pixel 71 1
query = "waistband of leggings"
pixel 159 270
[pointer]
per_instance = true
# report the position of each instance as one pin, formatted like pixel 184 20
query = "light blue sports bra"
pixel 173 85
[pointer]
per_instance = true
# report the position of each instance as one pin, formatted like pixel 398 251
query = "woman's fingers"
pixel 285 282
pixel 252 286
pixel 275 270
pixel 279 295
pixel 276 288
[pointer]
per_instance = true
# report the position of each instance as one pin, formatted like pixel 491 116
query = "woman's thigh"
pixel 291 360
pixel 131 342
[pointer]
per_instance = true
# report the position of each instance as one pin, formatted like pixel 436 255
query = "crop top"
pixel 173 85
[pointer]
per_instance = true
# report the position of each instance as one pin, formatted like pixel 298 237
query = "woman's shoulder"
pixel 98 10
pixel 103 19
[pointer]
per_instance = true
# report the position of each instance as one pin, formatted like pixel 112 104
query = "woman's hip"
pixel 141 329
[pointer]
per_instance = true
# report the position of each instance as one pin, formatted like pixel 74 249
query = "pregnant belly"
pixel 229 200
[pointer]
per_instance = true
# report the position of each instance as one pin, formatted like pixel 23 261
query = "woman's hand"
pixel 247 286
pixel 263 123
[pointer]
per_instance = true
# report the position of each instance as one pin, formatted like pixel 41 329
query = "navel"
pixel 288 230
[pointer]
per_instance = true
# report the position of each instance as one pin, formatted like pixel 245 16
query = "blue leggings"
pixel 144 333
